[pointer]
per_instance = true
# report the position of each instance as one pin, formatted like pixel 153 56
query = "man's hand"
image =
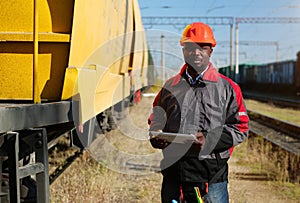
pixel 161 143
pixel 80 128
pixel 200 139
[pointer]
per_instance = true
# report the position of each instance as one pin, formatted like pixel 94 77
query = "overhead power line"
pixel 179 22
pixel 253 43
pixel 279 20
pixel 267 20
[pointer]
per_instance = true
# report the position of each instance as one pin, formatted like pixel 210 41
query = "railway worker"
pixel 202 102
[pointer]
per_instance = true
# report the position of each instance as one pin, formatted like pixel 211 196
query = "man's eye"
pixel 192 48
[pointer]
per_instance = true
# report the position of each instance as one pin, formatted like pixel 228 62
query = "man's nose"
pixel 197 51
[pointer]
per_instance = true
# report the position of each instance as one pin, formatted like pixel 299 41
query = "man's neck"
pixel 192 72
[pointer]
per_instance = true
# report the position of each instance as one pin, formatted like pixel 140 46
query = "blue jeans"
pixel 218 192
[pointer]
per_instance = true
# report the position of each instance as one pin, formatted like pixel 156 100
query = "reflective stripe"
pixel 223 155
pixel 243 114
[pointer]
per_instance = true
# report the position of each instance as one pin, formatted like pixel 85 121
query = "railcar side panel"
pixel 16 48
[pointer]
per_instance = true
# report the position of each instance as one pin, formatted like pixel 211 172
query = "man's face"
pixel 197 55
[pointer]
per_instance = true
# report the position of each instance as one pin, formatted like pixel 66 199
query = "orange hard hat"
pixel 199 33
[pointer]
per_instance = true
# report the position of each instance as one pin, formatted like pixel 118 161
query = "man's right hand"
pixel 159 143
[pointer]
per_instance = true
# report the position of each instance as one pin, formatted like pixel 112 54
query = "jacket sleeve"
pixel 156 120
pixel 236 127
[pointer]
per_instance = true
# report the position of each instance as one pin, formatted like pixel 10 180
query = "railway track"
pixel 285 135
pixel 293 102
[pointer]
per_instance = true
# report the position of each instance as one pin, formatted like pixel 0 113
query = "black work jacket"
pixel 214 106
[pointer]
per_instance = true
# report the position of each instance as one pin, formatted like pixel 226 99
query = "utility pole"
pixel 236 73
pixel 231 49
pixel 162 60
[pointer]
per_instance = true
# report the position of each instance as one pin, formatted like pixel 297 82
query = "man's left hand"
pixel 200 139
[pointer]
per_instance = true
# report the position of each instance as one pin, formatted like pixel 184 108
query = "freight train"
pixel 62 65
pixel 276 78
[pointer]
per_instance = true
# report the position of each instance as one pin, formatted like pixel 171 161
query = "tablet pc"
pixel 173 137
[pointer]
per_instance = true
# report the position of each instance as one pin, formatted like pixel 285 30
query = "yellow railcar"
pixel 62 63
pixel 85 48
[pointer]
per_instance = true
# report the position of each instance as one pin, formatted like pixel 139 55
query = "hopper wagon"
pixel 62 64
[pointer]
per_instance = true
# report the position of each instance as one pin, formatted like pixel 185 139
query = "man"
pixel 202 102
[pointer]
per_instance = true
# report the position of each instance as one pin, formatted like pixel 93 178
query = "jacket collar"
pixel 210 75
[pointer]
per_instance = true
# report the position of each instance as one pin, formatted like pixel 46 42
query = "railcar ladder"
pixel 38 141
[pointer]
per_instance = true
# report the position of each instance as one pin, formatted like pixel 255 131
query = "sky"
pixel 259 42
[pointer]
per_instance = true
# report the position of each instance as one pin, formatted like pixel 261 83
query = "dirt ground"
pixel 244 185
pixel 129 173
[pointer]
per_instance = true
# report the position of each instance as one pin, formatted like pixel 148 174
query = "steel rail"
pixel 282 133
pixel 280 101
pixel 66 164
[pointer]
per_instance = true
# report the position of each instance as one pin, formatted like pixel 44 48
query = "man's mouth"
pixel 197 61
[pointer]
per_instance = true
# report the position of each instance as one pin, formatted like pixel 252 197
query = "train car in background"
pixel 277 78
pixel 62 64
